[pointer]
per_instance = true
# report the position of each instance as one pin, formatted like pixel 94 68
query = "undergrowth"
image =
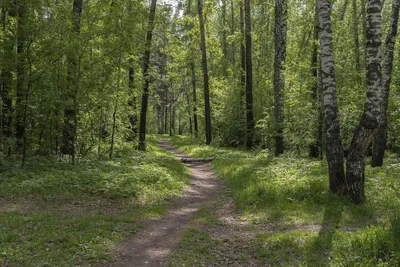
pixel 56 214
pixel 289 192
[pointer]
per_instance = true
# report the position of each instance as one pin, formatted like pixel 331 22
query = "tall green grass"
pixel 289 191
pixel 56 214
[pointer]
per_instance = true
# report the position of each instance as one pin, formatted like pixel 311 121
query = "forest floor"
pixel 277 211
pixel 53 213
pixel 245 208
pixel 153 244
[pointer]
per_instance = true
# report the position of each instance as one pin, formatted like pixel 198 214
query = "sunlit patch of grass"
pixel 206 215
pixel 71 215
pixel 196 248
pixel 29 239
pixel 289 191
pixel 135 176
pixel 372 246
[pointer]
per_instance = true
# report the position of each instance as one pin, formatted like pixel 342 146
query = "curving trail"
pixel 154 243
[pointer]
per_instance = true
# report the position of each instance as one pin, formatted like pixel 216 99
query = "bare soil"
pixel 154 243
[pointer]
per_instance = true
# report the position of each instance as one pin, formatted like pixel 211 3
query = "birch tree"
pixel 379 146
pixel 353 185
pixel 334 149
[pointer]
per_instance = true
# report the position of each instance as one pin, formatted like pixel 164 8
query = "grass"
pixel 56 214
pixel 288 193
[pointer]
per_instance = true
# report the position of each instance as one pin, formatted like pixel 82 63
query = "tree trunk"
pixel 132 104
pixel 68 137
pixel 207 110
pixel 355 35
pixel 316 148
pixel 280 57
pixel 172 115
pixel 370 118
pixel 165 119
pixel 343 13
pixel 196 127
pixel 115 107
pixel 224 43
pixel 379 146
pixel 189 115
pixel 6 83
pixel 20 71
pixel 249 77
pixel 364 31
pixel 242 108
pixel 233 52
pixel 146 62
pixel 334 149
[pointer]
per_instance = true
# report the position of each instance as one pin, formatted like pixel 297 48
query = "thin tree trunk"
pixel 189 115
pixel 224 43
pixel 165 119
pixel 6 85
pixel 196 127
pixel 207 110
pixel 115 107
pixel 316 148
pixel 249 77
pixel 132 104
pixel 75 109
pixel 369 122
pixel 242 108
pixel 355 35
pixel 172 115
pixel 68 137
pixel 25 115
pixel 379 146
pixel 179 126
pixel 334 149
pixel 20 71
pixel 100 132
pixel 364 29
pixel 343 13
pixel 146 62
pixel 232 33
pixel 280 57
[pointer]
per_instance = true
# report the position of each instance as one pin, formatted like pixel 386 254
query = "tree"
pixel 353 185
pixel 193 72
pixel 207 109
pixel 242 72
pixel 70 120
pixel 280 57
pixel 370 118
pixel 334 149
pixel 146 61
pixel 316 147
pixel 379 145
pixel 6 75
pixel 249 77
pixel 132 104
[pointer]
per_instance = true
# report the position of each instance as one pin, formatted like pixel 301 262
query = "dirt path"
pixel 159 236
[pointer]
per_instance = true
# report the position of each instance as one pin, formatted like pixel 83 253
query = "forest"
pixel 199 133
